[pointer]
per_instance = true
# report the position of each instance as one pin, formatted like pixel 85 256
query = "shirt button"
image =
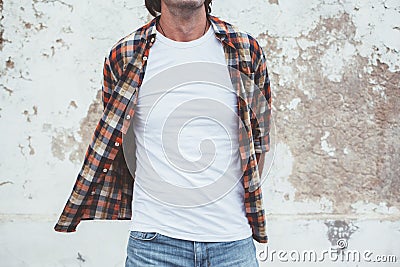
pixel 128 117
pixel 105 170
pixel 144 58
pixel 116 144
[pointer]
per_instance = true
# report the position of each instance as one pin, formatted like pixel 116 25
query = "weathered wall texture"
pixel 335 73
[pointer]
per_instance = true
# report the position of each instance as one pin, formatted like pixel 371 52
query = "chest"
pixel 236 72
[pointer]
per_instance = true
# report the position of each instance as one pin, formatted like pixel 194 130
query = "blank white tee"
pixel 188 135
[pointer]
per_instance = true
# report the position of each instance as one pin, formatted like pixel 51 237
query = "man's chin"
pixel 185 4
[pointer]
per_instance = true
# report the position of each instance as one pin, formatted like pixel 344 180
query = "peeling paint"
pixel 28 115
pixel 336 115
pixel 1 26
pixel 340 230
pixel 325 145
pixel 293 104
pixel 65 145
pixel 6 182
pixel 10 63
pixel 31 149
pixel 80 258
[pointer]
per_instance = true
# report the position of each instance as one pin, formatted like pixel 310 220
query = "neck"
pixel 183 25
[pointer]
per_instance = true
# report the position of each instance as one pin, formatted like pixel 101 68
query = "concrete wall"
pixel 332 173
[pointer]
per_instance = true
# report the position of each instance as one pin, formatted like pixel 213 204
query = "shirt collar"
pixel 220 29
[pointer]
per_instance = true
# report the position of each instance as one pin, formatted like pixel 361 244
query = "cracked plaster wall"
pixel 335 77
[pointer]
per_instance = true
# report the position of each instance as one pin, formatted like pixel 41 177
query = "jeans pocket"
pixel 144 236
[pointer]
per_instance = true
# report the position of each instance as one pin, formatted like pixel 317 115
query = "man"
pixel 182 216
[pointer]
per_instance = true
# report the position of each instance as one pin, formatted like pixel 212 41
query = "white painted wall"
pixel 52 55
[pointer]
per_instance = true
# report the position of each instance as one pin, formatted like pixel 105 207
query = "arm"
pixel 261 121
pixel 260 162
pixel 109 82
pixel 261 115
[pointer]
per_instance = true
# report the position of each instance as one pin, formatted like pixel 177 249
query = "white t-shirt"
pixel 188 137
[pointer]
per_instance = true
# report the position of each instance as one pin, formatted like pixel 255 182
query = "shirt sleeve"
pixel 261 116
pixel 108 82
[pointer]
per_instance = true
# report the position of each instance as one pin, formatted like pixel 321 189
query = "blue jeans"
pixel 155 249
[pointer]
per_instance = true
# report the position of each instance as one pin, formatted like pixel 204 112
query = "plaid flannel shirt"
pixel 104 186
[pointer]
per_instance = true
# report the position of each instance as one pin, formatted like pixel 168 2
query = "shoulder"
pixel 244 42
pixel 122 51
pixel 238 36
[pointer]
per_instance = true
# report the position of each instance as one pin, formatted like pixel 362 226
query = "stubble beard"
pixel 184 7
